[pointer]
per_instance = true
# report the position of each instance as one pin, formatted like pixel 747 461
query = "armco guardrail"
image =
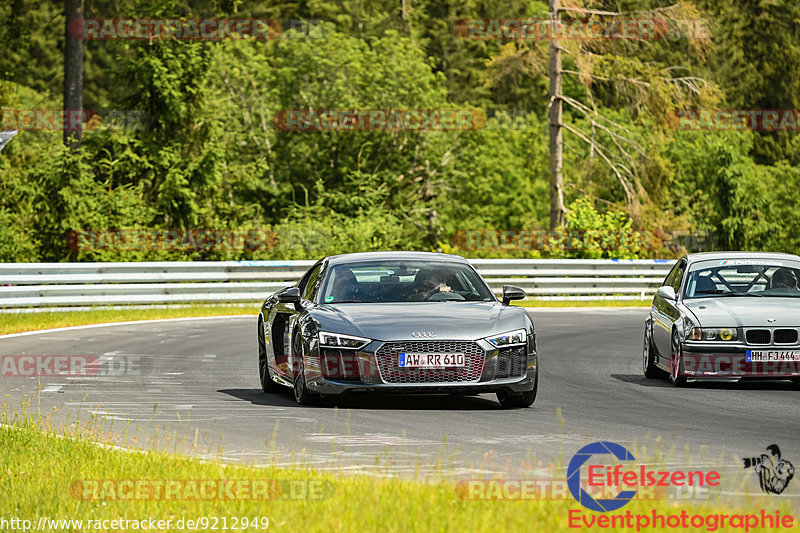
pixel 70 284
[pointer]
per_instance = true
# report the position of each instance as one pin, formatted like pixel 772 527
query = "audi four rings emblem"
pixel 423 334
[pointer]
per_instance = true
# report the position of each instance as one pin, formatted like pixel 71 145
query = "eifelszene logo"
pixel 774 472
pixel 639 476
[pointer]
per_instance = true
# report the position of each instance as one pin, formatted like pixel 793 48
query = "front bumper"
pixel 728 361
pixel 374 369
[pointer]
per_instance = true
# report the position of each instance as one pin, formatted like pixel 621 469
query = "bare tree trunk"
pixel 73 76
pixel 429 195
pixel 557 209
pixel 406 19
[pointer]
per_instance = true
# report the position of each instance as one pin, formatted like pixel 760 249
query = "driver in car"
pixel 427 283
pixel 783 278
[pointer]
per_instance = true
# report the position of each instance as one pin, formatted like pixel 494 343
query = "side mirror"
pixel 510 292
pixel 667 292
pixel 290 296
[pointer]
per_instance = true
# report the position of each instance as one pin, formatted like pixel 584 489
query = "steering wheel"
pixel 443 296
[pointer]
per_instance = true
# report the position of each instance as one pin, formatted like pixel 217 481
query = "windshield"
pixel 753 279
pixel 403 281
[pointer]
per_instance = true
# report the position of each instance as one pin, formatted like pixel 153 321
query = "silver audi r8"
pixel 726 316
pixel 408 322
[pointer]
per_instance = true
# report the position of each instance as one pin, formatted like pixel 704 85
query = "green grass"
pixel 42 475
pixel 17 322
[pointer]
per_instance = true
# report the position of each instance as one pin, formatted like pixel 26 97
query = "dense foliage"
pixel 202 145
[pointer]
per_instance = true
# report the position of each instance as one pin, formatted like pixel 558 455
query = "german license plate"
pixel 763 356
pixel 430 360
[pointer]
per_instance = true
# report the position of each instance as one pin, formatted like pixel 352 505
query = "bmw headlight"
pixel 713 334
pixel 347 342
pixel 511 338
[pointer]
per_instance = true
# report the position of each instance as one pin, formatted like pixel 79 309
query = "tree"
pixel 73 74
pixel 639 85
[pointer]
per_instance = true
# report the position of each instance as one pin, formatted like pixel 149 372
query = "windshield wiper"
pixel 719 292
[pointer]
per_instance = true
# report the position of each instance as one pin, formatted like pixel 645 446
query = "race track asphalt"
pixel 192 386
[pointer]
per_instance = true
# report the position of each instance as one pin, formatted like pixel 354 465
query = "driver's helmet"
pixel 784 278
pixel 344 285
pixel 428 278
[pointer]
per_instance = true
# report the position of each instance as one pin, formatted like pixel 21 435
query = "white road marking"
pixel 527 439
pixel 112 324
pixel 370 439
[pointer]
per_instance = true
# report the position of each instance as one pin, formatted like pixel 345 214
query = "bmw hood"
pixel 746 311
pixel 397 321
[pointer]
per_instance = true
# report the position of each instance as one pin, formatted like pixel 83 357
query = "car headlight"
pixel 507 339
pixel 713 334
pixel 348 342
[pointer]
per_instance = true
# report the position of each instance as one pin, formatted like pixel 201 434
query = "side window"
pixel 304 280
pixel 675 276
pixel 311 283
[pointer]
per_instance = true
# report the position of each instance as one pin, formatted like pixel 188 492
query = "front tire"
pixel 649 368
pixel 302 395
pixel 517 400
pixel 267 384
pixel 676 362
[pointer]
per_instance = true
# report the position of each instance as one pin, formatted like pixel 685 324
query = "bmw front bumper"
pixel 729 362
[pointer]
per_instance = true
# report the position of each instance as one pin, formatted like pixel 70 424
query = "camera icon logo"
pixel 774 472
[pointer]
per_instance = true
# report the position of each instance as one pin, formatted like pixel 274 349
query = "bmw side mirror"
pixel 510 292
pixel 667 292
pixel 290 296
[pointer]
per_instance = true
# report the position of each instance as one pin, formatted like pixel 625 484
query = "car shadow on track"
pixel 416 402
pixel 259 397
pixel 638 379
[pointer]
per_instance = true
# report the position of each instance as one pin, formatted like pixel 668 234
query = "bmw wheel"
pixel 649 367
pixel 676 362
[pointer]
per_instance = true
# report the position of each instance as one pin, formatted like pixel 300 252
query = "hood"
pixel 745 311
pixel 396 321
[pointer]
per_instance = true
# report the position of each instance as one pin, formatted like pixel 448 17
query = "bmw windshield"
pixel 403 281
pixel 746 278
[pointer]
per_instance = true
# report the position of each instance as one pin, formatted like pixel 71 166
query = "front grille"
pixel 511 362
pixel 757 336
pixel 391 373
pixel 785 336
pixel 340 365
